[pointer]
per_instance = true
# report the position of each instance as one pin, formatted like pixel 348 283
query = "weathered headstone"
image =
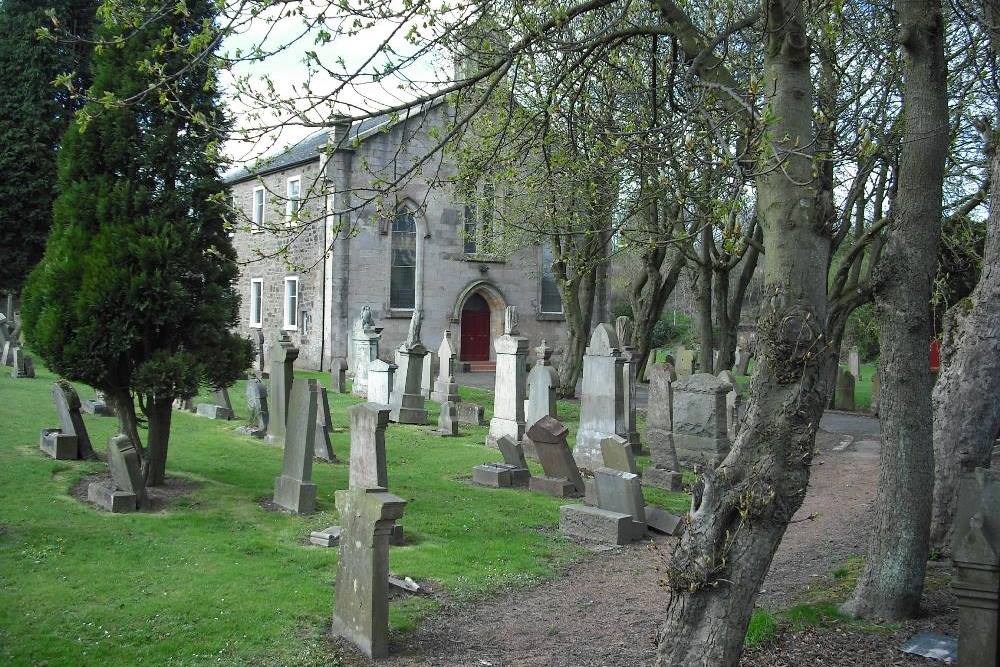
pixel 70 440
pixel 664 473
pixel 428 373
pixel 7 357
pixel 512 472
pixel 445 387
pixel 975 551
pixel 23 366
pixel 510 387
pixel 542 383
pixel 562 476
pixel 732 405
pixel 448 420
pixel 406 404
pixel 328 537
pixel 624 330
pixel 617 454
pixel 621 491
pixel 338 375
pixel 743 361
pixel 220 407
pixel 365 337
pixel 603 403
pixel 844 392
pixel 126 492
pixel 854 362
pixel 369 513
pixel 471 414
pixel 282 375
pixel 186 404
pixel 97 405
pixel 683 362
pixel 380 380
pixel 257 407
pixel 700 425
pixel 259 364
pixel 293 489
pixel 324 425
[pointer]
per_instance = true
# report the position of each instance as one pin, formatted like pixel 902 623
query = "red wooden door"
pixel 476 329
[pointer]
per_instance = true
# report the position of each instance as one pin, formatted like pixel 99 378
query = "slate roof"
pixel 305 150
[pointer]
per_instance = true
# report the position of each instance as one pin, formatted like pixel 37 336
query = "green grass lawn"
pixel 216 579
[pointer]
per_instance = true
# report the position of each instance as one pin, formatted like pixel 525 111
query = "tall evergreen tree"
pixel 34 114
pixel 134 294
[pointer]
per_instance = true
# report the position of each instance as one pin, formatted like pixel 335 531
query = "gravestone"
pixel 324 425
pixel 406 404
pixel 512 472
pixel 259 364
pixel 743 361
pixel 338 375
pixel 843 398
pixel 428 374
pixel 4 329
pixel 471 414
pixel 683 362
pixel 448 420
pixel 293 489
pixel 603 403
pixel 854 362
pixel 624 330
pixel 561 475
pixel 380 381
pixel 70 440
pixel 542 382
pixel 975 551
pixel 22 366
pixel 220 407
pixel 664 473
pixel 700 425
pixel 365 337
pixel 876 394
pixel 282 376
pixel 620 513
pixel 621 491
pixel 97 405
pixel 445 387
pixel 186 404
pixel 617 454
pixel 369 513
pixel 732 405
pixel 7 357
pixel 511 382
pixel 257 407
pixel 126 492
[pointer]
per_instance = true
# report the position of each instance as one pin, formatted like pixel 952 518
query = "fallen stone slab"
pixel 663 522
pixel 406 584
pixel 328 537
pixel 213 411
pixel 661 478
pixel 110 499
pixel 500 475
pixel 558 487
pixel 595 525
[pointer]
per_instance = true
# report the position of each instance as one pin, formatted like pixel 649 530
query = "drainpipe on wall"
pixel 338 175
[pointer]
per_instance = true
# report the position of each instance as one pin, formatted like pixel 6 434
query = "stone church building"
pixel 317 241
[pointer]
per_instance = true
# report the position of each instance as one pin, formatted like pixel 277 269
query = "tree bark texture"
pixel 891 582
pixel 159 412
pixel 720 562
pixel 966 407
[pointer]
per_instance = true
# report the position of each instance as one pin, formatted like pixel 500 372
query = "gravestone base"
pixel 560 488
pixel 471 414
pixel 590 492
pixel 587 451
pixel 60 446
pixel 213 411
pixel 411 411
pixel 700 449
pixel 663 522
pixel 252 431
pixel 445 392
pixel 661 478
pixel 112 500
pixel 500 475
pixel 596 525
pixel 328 537
pixel 295 495
pixel 95 407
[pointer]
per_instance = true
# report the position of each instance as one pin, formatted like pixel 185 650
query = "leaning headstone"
pixel 542 382
pixel 380 381
pixel 70 440
pixel 257 407
pixel 7 357
pixel 664 473
pixel 624 330
pixel 603 402
pixel 512 472
pixel 428 373
pixel 620 491
pixel 844 393
pixel 369 513
pixel 510 387
pixel 293 489
pixel 471 414
pixel 220 407
pixel 324 425
pixel 406 404
pixel 732 404
pixel 448 420
pixel 700 425
pixel 683 362
pixel 282 375
pixel 561 475
pixel 975 551
pixel 617 454
pixel 743 362
pixel 365 337
pixel 662 521
pixel 445 387
pixel 854 362
pixel 126 492
pixel 338 376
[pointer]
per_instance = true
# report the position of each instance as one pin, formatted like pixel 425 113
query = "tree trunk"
pixel 966 409
pixel 717 567
pixel 159 412
pixel 578 304
pixel 891 582
pixel 703 297
pixel 128 423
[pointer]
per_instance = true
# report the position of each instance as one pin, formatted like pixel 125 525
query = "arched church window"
pixel 403 273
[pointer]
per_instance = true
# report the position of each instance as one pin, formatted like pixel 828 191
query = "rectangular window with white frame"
pixel 258 210
pixel 550 302
pixel 257 303
pixel 291 304
pixel 293 194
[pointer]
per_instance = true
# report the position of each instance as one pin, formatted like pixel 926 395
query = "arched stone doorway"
pixel 478 314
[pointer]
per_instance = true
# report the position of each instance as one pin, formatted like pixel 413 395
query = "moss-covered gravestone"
pixel 70 440
pixel 368 514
